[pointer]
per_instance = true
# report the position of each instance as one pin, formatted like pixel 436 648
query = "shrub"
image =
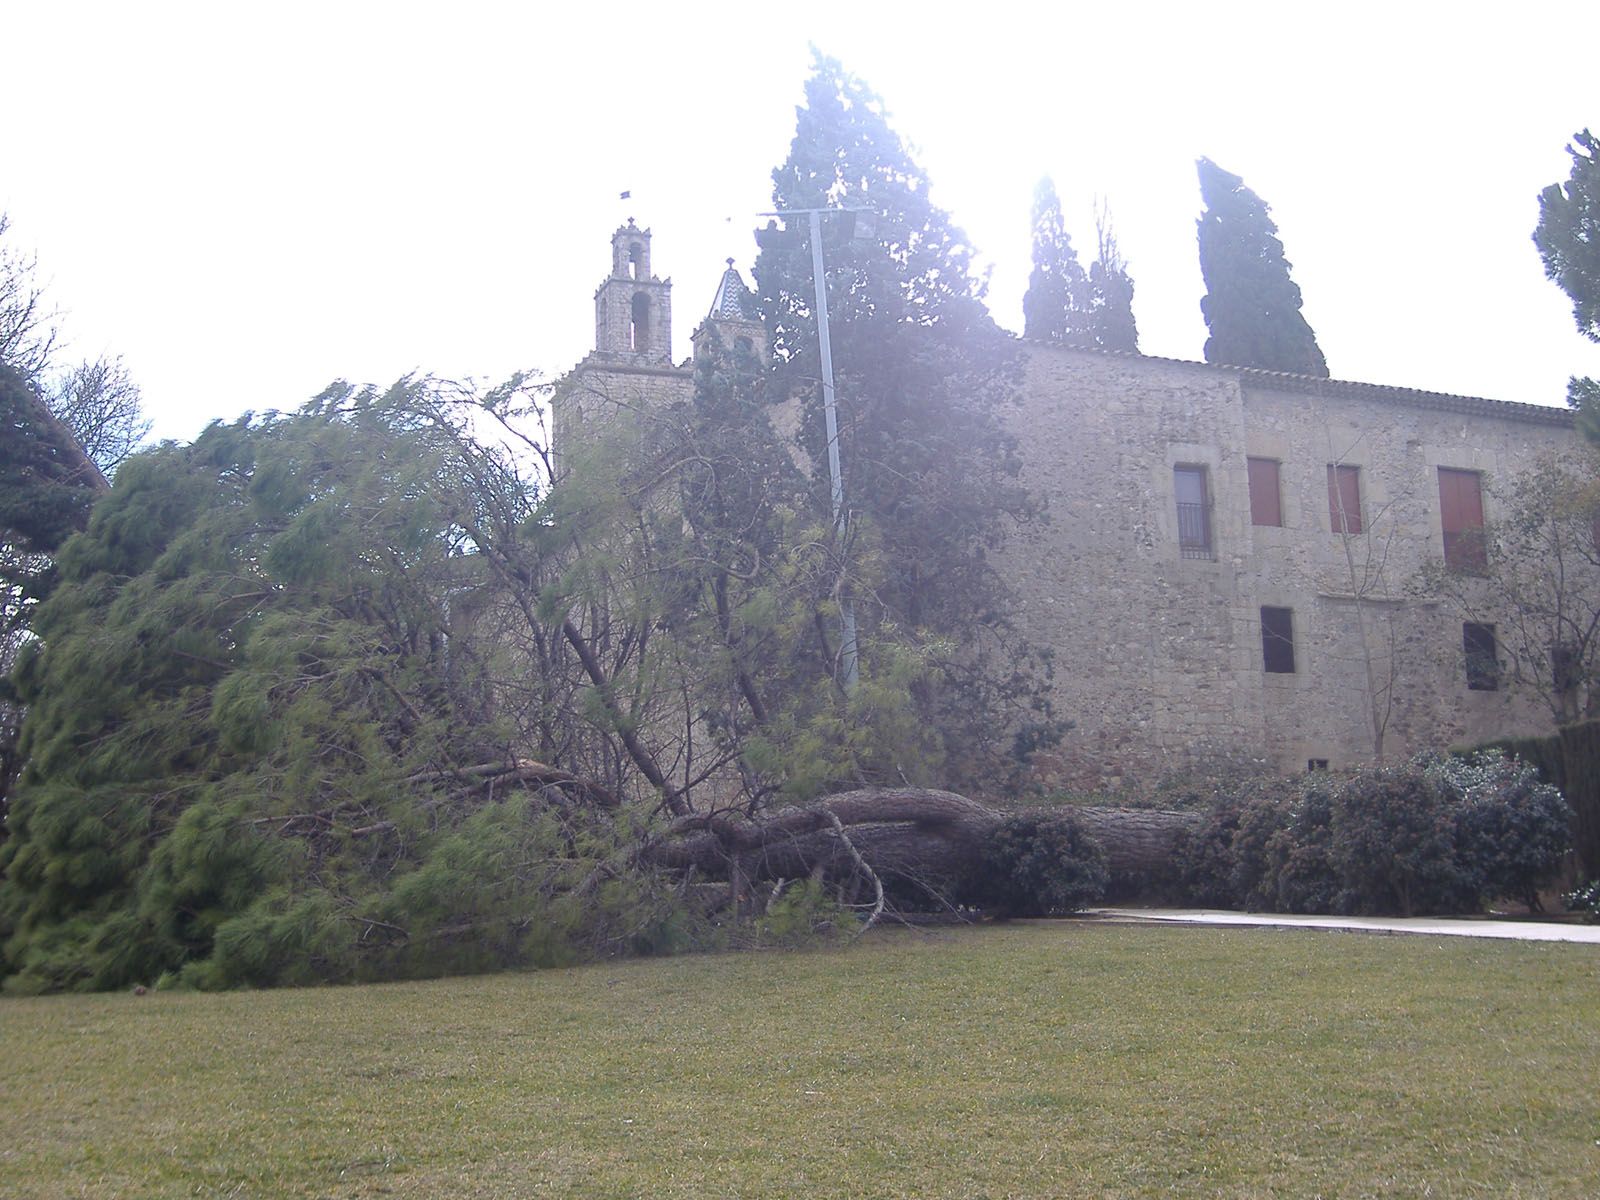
pixel 1203 858
pixel 1437 835
pixel 1041 865
pixel 1254 843
pixel 1300 875
pixel 1393 843
pixel 1511 830
pixel 1585 899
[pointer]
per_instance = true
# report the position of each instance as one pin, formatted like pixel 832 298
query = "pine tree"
pixel 1111 293
pixel 1057 306
pixel 1251 306
pixel 1568 238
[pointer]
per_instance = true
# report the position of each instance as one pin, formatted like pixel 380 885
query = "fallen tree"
pixel 912 836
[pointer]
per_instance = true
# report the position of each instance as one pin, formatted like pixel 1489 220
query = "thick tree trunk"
pixel 902 833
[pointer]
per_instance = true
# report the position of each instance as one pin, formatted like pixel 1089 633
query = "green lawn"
pixel 1049 1059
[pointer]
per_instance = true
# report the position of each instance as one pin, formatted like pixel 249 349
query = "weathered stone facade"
pixel 1160 654
pixel 630 371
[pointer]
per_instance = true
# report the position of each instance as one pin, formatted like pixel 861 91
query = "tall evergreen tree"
pixel 1057 306
pixel 931 476
pixel 1111 293
pixel 1568 238
pixel 1251 306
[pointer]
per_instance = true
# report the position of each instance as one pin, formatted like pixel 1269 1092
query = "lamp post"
pixel 848 660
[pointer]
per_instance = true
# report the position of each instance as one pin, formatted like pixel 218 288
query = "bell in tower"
pixel 632 308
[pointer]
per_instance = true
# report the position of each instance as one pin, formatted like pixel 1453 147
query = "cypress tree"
pixel 1057 306
pixel 1111 294
pixel 1251 306
pixel 1568 238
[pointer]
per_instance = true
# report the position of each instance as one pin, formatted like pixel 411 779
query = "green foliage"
pixel 1568 238
pixel 931 477
pixel 1436 835
pixel 1057 305
pixel 1568 761
pixel 1580 770
pixel 1263 845
pixel 1062 303
pixel 1040 864
pixel 1511 830
pixel 805 915
pixel 41 504
pixel 1251 305
pixel 253 710
pixel 1393 842
pixel 1111 294
pixel 1585 899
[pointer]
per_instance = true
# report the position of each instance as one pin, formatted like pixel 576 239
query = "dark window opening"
pixel 1265 507
pixel 1565 667
pixel 1483 657
pixel 1316 764
pixel 1277 640
pixel 639 333
pixel 1461 519
pixel 635 258
pixel 1194 518
pixel 1344 498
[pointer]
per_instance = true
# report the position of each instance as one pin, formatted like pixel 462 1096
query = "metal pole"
pixel 847 613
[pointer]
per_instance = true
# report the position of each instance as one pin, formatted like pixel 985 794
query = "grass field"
pixel 1050 1059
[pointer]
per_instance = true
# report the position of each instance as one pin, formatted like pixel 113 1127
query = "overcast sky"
pixel 247 202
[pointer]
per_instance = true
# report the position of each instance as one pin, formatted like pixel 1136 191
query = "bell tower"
pixel 632 308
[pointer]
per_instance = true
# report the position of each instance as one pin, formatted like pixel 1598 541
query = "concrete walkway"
pixel 1527 931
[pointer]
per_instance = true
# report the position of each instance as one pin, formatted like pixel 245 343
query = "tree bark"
pixel 915 833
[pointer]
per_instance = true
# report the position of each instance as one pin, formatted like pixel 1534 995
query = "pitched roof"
pixel 1541 414
pixel 734 301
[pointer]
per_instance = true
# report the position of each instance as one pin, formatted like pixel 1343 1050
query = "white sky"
pixel 247 202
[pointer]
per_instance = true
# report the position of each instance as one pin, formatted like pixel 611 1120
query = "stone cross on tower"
pixel 632 308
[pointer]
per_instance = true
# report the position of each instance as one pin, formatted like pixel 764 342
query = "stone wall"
pixel 1159 656
pixel 608 393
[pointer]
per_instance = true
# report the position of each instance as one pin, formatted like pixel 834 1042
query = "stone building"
pixel 1229 568
pixel 630 371
pixel 1232 557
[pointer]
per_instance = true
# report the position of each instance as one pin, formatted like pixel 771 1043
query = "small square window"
pixel 1277 641
pixel 1316 764
pixel 1483 659
pixel 1265 505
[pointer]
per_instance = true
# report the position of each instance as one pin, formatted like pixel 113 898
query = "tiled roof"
pixel 1288 381
pixel 734 301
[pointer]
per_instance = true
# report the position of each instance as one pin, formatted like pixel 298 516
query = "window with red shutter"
pixel 1344 498
pixel 1461 519
pixel 1265 508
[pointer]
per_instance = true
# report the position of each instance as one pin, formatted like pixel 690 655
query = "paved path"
pixel 1527 931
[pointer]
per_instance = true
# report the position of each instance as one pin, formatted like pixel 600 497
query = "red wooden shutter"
pixel 1265 508
pixel 1344 498
pixel 1461 518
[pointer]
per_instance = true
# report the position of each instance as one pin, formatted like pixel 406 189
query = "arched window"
pixel 635 258
pixel 639 335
